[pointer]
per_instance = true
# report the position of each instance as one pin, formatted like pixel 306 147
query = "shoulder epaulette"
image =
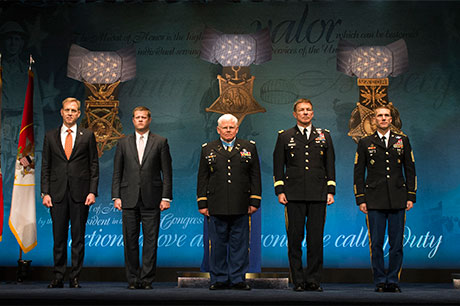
pixel 204 144
pixel 327 130
pixel 399 133
pixel 252 141
pixel 366 136
pixel 280 131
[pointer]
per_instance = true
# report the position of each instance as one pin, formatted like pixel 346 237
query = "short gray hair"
pixel 227 117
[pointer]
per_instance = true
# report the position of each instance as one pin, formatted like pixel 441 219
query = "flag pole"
pixel 1 176
pixel 24 265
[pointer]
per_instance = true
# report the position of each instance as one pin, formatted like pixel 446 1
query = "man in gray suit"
pixel 141 189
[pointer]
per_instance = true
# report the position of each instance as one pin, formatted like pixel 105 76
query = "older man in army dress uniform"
pixel 228 191
pixel 385 194
pixel 304 175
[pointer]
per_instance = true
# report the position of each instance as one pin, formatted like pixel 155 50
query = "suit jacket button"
pixel 388 176
pixel 306 168
pixel 229 181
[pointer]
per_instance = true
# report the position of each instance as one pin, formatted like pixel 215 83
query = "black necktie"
pixel 383 141
pixel 305 132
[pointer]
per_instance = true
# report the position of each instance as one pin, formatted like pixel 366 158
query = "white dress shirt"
pixel 305 131
pixel 387 137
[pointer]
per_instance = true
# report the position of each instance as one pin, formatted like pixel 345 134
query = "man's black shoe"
pixel 73 283
pixel 146 286
pixel 241 286
pixel 298 287
pixel 55 283
pixel 313 287
pixel 218 286
pixel 380 287
pixel 132 286
pixel 393 288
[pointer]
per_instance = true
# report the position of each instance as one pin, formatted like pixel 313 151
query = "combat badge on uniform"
pixel 399 144
pixel 320 137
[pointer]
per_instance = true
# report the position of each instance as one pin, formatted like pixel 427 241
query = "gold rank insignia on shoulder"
pixel 327 130
pixel 280 131
pixel 252 141
pixel 204 144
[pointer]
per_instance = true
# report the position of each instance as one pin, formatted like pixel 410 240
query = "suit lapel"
pixel 57 137
pixel 313 134
pixel 392 140
pixel 148 146
pixel 133 147
pixel 378 141
pixel 220 149
pixel 299 136
pixel 236 148
pixel 78 137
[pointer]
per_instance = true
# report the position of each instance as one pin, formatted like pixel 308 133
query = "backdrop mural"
pixel 178 86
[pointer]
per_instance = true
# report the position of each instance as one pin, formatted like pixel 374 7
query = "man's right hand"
pixel 363 207
pixel 282 198
pixel 117 204
pixel 204 212
pixel 47 201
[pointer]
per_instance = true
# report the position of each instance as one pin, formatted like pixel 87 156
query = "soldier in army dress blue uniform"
pixel 228 191
pixel 304 177
pixel 385 185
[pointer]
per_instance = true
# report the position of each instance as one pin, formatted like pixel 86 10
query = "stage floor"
pixel 116 293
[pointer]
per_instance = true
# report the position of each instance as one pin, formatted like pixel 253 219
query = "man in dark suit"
pixel 304 175
pixel 141 189
pixel 69 179
pixel 228 191
pixel 384 194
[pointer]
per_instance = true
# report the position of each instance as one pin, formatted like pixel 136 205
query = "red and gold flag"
pixel 23 222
